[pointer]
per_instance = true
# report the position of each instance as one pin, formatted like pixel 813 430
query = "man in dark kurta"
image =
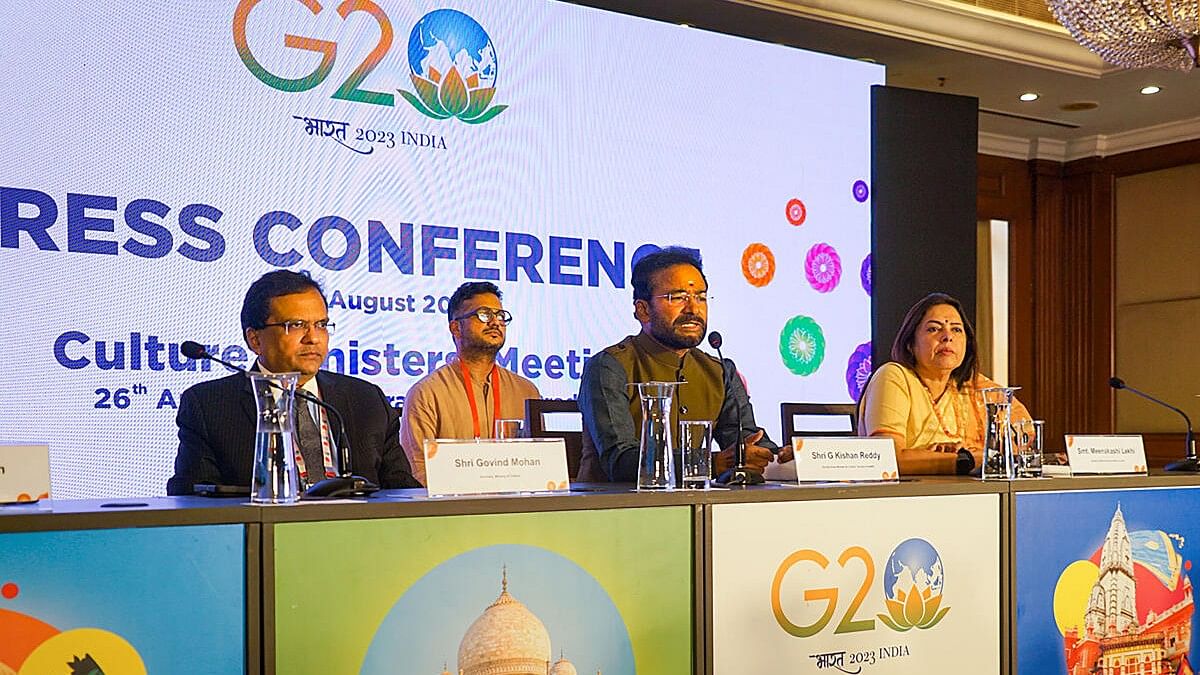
pixel 670 296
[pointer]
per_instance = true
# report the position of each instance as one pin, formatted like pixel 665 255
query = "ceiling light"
pixel 1135 34
pixel 1152 89
pixel 1029 96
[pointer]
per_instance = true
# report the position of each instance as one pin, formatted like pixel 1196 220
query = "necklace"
pixel 958 417
pixel 976 409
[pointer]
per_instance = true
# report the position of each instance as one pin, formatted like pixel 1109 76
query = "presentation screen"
pixel 159 157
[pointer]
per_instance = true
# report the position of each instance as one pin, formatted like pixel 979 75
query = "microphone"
pixel 347 482
pixel 740 474
pixel 1189 463
pixel 195 350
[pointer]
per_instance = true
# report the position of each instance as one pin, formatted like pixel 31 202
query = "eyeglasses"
pixel 679 298
pixel 486 314
pixel 302 327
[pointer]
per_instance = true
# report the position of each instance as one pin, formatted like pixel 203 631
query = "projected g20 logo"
pixel 453 65
pixel 912 588
pixel 451 59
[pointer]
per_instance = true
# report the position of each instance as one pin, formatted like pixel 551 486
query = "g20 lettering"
pixel 829 595
pixel 351 88
pixel 912 582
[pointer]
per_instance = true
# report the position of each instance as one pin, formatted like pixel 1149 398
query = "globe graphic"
pixel 914 563
pixel 445 39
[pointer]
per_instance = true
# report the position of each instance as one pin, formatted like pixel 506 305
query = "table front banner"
pixel 127 601
pixel 1110 591
pixel 895 585
pixel 605 591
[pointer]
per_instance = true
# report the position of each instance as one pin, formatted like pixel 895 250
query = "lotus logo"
pixel 912 584
pixel 453 64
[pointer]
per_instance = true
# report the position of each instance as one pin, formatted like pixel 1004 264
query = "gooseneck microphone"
pixel 346 482
pixel 740 474
pixel 1189 463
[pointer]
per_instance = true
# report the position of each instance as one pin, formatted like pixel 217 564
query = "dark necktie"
pixel 310 443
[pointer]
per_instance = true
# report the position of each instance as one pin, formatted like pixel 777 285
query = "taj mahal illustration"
pixel 1115 640
pixel 508 639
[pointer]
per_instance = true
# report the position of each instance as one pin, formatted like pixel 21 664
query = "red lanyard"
pixel 471 396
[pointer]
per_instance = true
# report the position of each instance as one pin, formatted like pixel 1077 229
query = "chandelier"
pixel 1135 33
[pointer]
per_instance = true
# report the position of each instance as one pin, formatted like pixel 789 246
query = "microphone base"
pixel 339 487
pixel 1185 465
pixel 740 476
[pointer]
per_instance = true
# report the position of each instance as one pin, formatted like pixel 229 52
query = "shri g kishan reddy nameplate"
pixel 487 466
pixel 845 459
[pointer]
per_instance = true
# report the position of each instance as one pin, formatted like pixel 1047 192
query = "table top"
pixel 57 514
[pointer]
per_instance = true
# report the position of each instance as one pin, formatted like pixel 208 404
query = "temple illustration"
pixel 508 639
pixel 1139 612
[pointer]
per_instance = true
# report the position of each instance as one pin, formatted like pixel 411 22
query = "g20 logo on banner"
pixel 912 588
pixel 451 58
pixel 453 65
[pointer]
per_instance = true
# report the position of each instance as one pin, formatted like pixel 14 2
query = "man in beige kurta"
pixel 439 406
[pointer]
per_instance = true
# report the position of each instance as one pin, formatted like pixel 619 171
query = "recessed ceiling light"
pixel 1152 89
pixel 1029 96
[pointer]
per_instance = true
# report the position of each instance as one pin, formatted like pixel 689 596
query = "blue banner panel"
pixel 130 601
pixel 1104 581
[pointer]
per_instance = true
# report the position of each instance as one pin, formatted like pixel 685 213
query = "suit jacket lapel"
pixel 246 394
pixel 335 396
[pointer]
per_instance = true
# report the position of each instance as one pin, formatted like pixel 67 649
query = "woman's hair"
pixel 902 347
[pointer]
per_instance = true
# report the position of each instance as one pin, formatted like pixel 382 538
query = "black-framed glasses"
pixel 302 327
pixel 486 314
pixel 679 298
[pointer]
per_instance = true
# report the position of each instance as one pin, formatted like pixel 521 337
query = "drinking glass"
pixel 695 453
pixel 508 429
pixel 1028 451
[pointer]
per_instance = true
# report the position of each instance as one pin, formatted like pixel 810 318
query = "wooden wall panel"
pixel 1072 299
pixel 1153 159
pixel 1006 193
pixel 1089 219
pixel 1050 389
pixel 1062 283
pixel 1163 448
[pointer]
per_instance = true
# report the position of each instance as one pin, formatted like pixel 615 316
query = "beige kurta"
pixel 896 402
pixel 437 407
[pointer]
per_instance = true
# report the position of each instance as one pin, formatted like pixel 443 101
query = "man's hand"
pixel 757 458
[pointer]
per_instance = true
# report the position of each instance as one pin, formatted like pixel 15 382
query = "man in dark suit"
pixel 285 321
